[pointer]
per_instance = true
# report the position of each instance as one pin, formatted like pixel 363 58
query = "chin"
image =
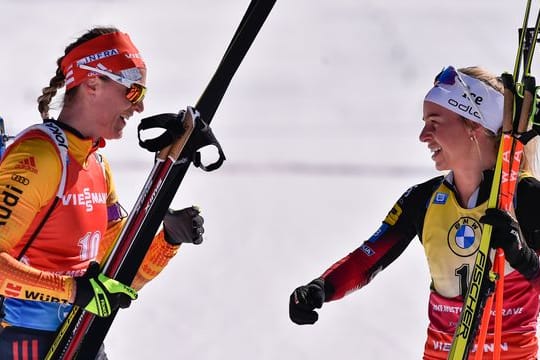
pixel 441 167
pixel 114 136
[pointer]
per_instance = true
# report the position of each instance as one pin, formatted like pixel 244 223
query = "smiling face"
pixel 112 109
pixel 448 137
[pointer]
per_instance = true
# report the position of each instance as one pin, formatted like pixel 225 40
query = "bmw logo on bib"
pixel 464 236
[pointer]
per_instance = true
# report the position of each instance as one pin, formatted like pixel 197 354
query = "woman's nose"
pixel 139 107
pixel 425 134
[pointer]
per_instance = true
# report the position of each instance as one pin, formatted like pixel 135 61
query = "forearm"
pixel 359 267
pixel 158 256
pixel 21 281
pixel 346 275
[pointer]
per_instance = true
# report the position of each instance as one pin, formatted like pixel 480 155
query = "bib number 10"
pixel 89 245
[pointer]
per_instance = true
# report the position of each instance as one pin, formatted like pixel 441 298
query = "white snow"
pixel 320 127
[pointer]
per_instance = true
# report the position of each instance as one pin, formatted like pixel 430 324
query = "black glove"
pixel 184 225
pixel 505 234
pixel 305 299
pixel 100 294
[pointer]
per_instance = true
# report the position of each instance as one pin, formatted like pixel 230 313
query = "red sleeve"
pixel 360 266
pixel 401 225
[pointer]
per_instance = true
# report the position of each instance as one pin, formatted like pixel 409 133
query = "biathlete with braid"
pixel 462 116
pixel 59 211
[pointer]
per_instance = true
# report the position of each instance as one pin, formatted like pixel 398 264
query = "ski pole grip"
pixel 188 123
pixel 508 108
pixel 529 84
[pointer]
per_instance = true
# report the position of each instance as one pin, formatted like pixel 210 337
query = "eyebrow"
pixel 431 114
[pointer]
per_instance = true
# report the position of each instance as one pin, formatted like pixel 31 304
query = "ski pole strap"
pixel 172 123
pixel 205 137
pixel 529 91
pixel 173 129
pixel 528 111
pixel 510 102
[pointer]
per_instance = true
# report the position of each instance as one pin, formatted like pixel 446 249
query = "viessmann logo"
pixel 86 199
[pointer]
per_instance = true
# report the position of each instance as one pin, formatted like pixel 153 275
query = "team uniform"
pixel 53 167
pixel 450 235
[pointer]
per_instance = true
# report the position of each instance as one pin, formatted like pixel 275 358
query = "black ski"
pixel 82 332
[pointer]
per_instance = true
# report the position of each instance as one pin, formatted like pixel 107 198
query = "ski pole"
pixel 512 144
pixel 479 295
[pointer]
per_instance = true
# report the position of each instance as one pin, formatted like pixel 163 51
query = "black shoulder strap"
pixel 58 138
pixel 38 229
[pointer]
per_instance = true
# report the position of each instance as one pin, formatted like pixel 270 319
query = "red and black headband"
pixel 113 52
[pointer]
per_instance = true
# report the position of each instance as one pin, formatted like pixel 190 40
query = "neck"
pixel 75 121
pixel 466 183
pixel 469 175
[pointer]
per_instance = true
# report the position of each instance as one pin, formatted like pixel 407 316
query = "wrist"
pixel 327 287
pixel 71 288
pixel 527 263
pixel 168 240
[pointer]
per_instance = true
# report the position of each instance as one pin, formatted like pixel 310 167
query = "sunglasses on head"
pixel 448 76
pixel 135 92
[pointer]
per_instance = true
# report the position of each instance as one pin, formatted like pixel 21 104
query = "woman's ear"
pixel 90 86
pixel 473 127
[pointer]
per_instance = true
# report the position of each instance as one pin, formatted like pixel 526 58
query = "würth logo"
pixel 27 164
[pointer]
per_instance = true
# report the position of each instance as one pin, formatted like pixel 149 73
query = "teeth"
pixel 435 150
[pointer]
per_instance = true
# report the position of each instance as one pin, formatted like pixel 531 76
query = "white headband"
pixel 468 97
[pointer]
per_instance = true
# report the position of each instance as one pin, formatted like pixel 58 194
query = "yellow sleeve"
pixel 29 176
pixel 157 257
pixel 21 281
pixel 112 196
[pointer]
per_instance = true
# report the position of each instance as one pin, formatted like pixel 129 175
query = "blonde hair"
pixel 530 159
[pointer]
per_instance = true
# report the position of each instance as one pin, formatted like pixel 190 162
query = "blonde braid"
pixel 50 91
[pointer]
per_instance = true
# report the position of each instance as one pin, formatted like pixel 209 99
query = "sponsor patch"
pixel 381 230
pixel 367 250
pixel 28 164
pixel 8 199
pixel 393 215
pixel 464 236
pixel 440 198
pixel 12 290
pixel 86 199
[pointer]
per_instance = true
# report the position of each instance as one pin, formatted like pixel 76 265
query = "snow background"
pixel 320 127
